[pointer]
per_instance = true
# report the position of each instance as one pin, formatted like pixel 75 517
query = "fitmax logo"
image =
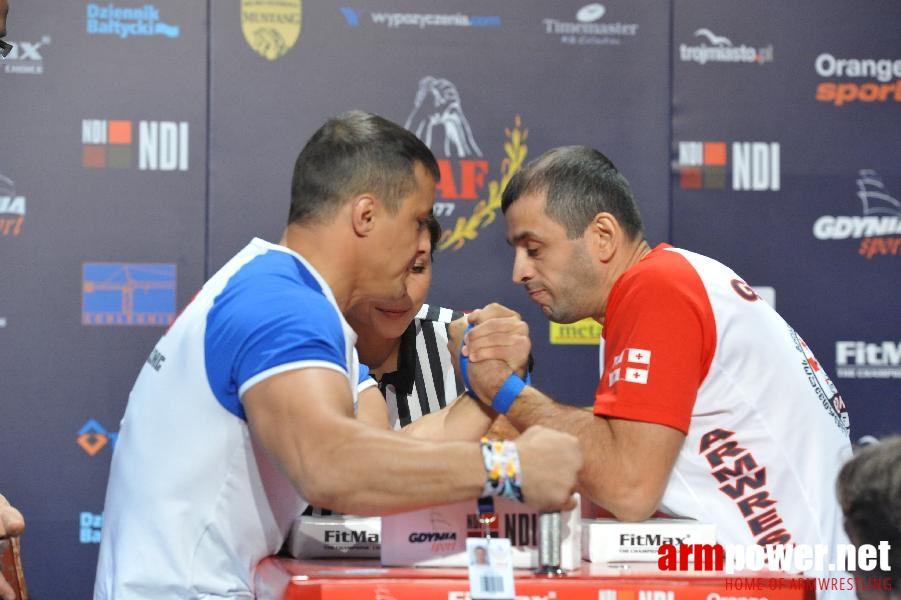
pixel 755 166
pixel 162 145
pixel 863 360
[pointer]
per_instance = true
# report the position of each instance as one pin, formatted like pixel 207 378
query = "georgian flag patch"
pixel 631 365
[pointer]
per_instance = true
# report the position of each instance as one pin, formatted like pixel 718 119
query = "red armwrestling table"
pixel 288 579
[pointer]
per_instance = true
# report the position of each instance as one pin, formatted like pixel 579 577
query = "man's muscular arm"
pixel 627 463
pixel 334 460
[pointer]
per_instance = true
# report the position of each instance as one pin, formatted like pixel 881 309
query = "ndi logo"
pixel 109 19
pixel 89 527
pixel 755 165
pixel 162 145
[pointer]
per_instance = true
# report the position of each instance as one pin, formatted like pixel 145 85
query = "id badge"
pixel 490 568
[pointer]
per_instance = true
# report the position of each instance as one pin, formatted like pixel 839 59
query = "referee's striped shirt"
pixel 425 380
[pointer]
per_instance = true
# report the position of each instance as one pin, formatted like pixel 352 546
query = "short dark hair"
pixel 434 233
pixel 353 153
pixel 580 183
pixel 869 489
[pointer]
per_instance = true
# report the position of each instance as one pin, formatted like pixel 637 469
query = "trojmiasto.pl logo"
pixel 712 48
pixel 469 193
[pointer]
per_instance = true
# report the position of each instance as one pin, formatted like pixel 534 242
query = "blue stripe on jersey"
pixel 271 312
pixel 364 374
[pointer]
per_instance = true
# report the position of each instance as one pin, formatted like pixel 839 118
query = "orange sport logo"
pixel 885 71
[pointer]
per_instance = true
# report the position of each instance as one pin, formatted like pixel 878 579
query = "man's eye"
pixel 417 269
pixel 532 252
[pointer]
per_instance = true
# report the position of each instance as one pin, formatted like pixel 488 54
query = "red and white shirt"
pixel 688 344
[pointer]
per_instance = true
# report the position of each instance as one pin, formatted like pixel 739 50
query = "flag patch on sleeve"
pixel 631 365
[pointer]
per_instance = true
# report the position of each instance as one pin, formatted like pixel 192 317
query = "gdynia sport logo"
pixel 785 560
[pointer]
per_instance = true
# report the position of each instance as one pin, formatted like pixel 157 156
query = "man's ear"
pixel 363 210
pixel 605 235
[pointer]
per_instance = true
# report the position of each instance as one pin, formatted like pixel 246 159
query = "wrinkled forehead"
pixel 526 218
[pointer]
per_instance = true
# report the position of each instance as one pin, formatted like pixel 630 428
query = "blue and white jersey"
pixel 193 503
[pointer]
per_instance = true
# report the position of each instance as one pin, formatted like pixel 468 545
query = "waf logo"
pixel 631 365
pixel 752 166
pixel 128 294
pixel 162 145
pixel 93 437
pixel 884 75
pixel 878 227
pixel 12 208
pixel 271 27
pixel 466 184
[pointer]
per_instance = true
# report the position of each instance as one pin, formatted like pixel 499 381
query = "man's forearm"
pixel 464 419
pixel 620 473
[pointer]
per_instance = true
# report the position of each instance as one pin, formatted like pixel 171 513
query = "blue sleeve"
pixel 364 374
pixel 259 324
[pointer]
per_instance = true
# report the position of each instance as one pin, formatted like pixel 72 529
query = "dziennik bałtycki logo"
pixel 127 21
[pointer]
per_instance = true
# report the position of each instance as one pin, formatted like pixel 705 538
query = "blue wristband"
pixel 464 367
pixel 508 393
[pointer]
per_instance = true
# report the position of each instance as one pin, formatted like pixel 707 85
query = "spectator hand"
pixel 11 524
